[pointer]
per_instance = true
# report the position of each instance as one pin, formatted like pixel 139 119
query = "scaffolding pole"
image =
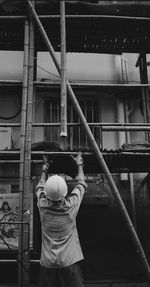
pixel 63 131
pixel 22 148
pixel 95 147
pixel 27 163
pixel 130 175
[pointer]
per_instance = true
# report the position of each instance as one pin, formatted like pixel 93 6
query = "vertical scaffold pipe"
pixel 95 148
pixel 22 147
pixel 63 131
pixel 130 175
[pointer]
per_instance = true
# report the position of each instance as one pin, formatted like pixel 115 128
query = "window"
pixel 77 138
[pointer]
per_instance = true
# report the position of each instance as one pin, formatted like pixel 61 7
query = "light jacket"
pixel 60 242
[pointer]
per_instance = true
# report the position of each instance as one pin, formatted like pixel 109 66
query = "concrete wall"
pixel 80 67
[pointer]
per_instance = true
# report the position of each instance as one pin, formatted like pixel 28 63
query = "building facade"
pixel 108 73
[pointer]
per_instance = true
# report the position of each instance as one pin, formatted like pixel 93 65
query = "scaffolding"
pixel 37 37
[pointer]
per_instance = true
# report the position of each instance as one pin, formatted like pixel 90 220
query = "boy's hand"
pixel 78 159
pixel 46 163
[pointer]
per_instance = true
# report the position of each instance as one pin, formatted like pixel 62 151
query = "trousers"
pixel 69 276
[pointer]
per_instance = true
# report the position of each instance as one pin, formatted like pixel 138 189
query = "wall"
pixel 80 67
pixel 10 101
pixel 112 254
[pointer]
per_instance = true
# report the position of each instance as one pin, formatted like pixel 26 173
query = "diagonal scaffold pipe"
pixel 94 146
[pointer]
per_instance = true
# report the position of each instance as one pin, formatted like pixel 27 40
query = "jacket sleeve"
pixel 40 193
pixel 77 194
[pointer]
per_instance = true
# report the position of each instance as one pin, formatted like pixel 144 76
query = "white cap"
pixel 56 188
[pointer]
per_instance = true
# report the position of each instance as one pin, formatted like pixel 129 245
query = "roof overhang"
pixel 114 28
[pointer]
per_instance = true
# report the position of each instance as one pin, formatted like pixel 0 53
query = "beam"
pixel 104 126
pixel 71 16
pixel 96 16
pixel 95 147
pixel 92 84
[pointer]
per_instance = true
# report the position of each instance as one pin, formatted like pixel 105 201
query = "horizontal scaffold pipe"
pixel 94 146
pixel 12 152
pixel 9 161
pixel 40 84
pixel 91 84
pixel 16 260
pixel 125 128
pixel 12 125
pixel 95 16
pixel 104 127
pixel 10 82
pixel 12 17
pixel 59 153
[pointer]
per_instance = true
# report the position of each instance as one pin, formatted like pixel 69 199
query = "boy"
pixel 61 250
